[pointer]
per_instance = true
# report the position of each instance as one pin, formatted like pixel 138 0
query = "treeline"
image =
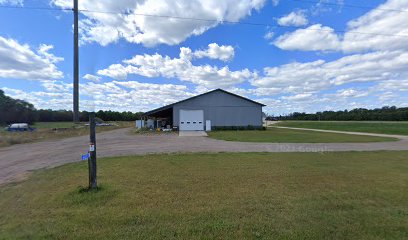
pixel 359 114
pixel 12 110
pixel 48 115
pixel 15 110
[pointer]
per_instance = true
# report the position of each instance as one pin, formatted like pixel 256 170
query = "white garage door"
pixel 191 120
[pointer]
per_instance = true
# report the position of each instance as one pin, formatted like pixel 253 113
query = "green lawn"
pixel 292 136
pixel 42 125
pixel 400 128
pixel 343 195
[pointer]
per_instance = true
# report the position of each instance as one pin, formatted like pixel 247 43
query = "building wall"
pixel 223 110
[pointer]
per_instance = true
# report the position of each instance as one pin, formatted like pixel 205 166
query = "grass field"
pixel 46 125
pixel 53 130
pixel 344 195
pixel 292 136
pixel 399 128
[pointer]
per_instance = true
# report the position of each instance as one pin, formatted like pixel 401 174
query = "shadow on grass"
pixel 85 196
pixel 82 189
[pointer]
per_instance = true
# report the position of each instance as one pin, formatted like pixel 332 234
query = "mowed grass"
pixel 280 135
pixel 343 195
pixel 45 125
pixel 399 128
pixel 53 130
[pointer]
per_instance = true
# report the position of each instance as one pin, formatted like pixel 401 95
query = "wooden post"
pixel 76 65
pixel 92 152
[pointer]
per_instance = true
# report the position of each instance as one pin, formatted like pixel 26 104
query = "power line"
pixel 212 20
pixel 353 6
pixel 302 1
pixel 178 17
pixel 245 23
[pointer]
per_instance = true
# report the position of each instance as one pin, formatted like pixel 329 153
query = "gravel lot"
pixel 18 160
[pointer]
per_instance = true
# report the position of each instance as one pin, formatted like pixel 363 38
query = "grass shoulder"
pixel 215 196
pixel 280 135
pixel 397 128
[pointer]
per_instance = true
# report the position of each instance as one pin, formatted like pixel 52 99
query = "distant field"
pixel 343 195
pixel 281 135
pixel 41 125
pixel 53 130
pixel 399 128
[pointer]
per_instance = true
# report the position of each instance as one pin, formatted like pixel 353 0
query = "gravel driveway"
pixel 18 160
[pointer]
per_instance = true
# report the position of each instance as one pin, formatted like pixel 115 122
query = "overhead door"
pixel 191 120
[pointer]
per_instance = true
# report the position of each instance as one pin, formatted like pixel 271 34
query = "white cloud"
pixel 148 92
pixel 296 19
pixel 239 91
pixel 325 6
pixel 379 59
pixel 269 35
pixel 313 38
pixel 296 86
pixel 269 91
pixel 181 68
pixel 11 2
pixel 52 94
pixel 319 75
pixel 381 22
pixel 376 30
pixel 299 97
pixel 56 86
pixel 330 102
pixel 393 85
pixel 19 61
pixel 388 97
pixel 346 93
pixel 149 31
pixel 94 90
pixel 92 78
pixel 214 51
pixel 20 94
pixel 392 98
pixel 290 104
pixel 118 96
pixel 275 2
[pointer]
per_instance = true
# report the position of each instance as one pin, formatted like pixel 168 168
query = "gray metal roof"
pixel 222 90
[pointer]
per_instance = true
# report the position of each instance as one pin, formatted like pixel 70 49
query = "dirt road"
pixel 18 160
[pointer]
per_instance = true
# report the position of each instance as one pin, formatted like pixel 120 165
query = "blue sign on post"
pixel 85 157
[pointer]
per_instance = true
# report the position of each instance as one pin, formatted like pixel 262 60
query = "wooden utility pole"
pixel 76 65
pixel 92 152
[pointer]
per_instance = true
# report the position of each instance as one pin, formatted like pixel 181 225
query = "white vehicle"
pixel 19 127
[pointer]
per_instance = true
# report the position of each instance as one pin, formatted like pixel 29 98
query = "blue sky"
pixel 305 56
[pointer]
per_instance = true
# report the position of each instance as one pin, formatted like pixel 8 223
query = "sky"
pixel 136 55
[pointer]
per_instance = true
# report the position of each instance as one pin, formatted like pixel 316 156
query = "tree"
pixel 15 110
pixel 358 114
